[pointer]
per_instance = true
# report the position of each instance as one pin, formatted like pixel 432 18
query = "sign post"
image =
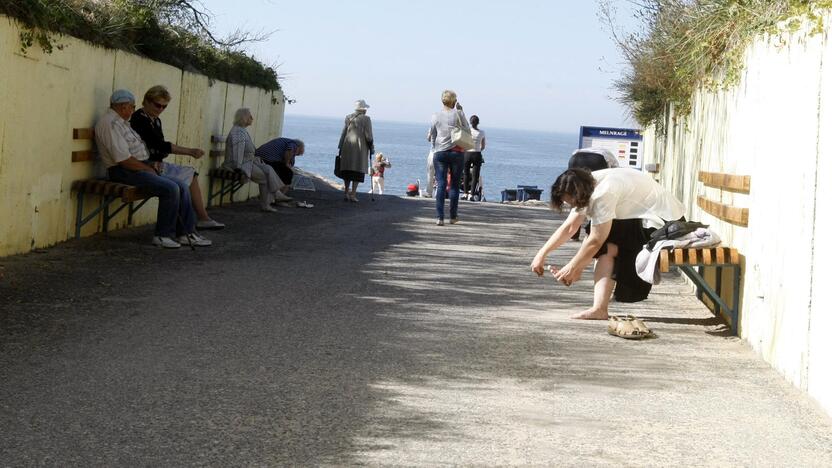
pixel 625 143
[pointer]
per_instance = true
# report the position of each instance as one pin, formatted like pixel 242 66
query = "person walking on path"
pixel 148 125
pixel 473 161
pixel 377 171
pixel 624 206
pixel 239 155
pixel 355 147
pixel 447 156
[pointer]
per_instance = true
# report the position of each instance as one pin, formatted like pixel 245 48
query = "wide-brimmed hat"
pixel 361 105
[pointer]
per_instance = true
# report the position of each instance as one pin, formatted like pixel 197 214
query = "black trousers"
pixel 471 171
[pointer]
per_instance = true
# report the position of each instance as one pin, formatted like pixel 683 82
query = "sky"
pixel 524 64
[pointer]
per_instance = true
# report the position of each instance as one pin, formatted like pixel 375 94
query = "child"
pixel 380 163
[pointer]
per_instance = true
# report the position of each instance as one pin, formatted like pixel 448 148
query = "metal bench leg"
pixel 210 190
pixel 735 301
pixel 718 288
pixel 130 212
pixel 106 201
pixel 700 270
pixel 79 213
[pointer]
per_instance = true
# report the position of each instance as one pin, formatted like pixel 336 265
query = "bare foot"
pixel 591 314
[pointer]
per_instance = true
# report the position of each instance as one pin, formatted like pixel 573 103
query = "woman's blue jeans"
pixel 444 161
pixel 174 199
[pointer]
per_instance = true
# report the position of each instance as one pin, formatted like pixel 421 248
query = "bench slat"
pixel 83 133
pixel 216 153
pixel 731 214
pixel 227 174
pixel 692 256
pixel 735 256
pixel 706 256
pixel 678 256
pixel 664 261
pixel 729 182
pixel 720 256
pixel 85 155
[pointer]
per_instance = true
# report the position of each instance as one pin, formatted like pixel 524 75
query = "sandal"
pixel 624 327
pixel 641 326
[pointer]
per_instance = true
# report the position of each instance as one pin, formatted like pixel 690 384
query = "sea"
pixel 512 157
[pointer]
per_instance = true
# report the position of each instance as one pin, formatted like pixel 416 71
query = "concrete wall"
pixel 774 126
pixel 45 96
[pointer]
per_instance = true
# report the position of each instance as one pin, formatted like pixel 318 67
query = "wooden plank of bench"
pixel 732 214
pixel 85 155
pixel 706 256
pixel 83 133
pixel 216 153
pixel 664 261
pixel 729 182
pixel 692 257
pixel 735 256
pixel 678 256
pixel 720 256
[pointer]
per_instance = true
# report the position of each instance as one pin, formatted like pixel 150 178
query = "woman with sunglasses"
pixel 147 124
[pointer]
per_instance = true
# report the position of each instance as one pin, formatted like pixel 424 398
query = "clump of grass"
pixel 690 43
pixel 175 32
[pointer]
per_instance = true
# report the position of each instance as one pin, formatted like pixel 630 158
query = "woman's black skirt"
pixel 630 237
pixel 352 176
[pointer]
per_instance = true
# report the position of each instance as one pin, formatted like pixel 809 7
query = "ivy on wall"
pixel 175 32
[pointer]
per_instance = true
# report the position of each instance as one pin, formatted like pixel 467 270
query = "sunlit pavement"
pixel 364 334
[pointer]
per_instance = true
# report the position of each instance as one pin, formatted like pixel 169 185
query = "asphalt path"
pixel 363 334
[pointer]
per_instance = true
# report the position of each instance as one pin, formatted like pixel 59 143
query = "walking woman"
pixel 355 148
pixel 447 156
pixel 473 161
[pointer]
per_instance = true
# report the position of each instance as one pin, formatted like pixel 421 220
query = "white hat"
pixel 361 105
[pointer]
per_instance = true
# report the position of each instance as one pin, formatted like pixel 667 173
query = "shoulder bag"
pixel 461 136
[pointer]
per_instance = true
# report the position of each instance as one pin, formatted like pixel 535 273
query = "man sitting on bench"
pixel 123 153
pixel 280 154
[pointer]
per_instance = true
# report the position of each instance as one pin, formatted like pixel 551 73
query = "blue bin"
pixel 509 195
pixel 528 193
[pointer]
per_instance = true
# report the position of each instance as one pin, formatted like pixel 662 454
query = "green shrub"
pixel 692 43
pixel 168 31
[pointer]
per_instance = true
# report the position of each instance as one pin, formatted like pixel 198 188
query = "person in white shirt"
pixel 124 154
pixel 624 205
pixel 473 161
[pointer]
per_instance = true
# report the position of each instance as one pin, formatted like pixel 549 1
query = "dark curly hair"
pixel 577 183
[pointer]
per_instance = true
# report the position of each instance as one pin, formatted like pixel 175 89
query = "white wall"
pixel 773 126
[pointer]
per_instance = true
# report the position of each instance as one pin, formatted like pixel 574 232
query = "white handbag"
pixel 461 136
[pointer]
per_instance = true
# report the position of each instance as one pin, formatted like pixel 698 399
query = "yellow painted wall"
pixel 45 96
pixel 773 126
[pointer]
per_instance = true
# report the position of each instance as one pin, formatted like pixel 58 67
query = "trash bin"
pixel 509 195
pixel 528 193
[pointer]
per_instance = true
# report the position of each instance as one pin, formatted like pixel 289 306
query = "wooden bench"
pixel 229 180
pixel 718 257
pixel 107 191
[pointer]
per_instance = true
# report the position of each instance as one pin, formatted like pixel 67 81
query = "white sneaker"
pixel 281 197
pixel 209 224
pixel 165 242
pixel 195 240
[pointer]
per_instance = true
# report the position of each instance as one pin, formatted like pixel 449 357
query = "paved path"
pixel 364 334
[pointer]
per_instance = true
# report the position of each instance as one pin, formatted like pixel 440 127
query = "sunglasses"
pixel 159 106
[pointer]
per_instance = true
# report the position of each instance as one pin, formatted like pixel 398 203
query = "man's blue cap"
pixel 120 96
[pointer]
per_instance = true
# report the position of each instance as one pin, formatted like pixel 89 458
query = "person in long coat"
pixel 355 148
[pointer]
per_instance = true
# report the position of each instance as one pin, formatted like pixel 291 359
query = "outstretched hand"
pixel 566 275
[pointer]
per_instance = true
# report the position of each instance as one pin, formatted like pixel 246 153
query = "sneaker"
pixel 195 240
pixel 281 197
pixel 165 242
pixel 439 222
pixel 454 220
pixel 209 224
